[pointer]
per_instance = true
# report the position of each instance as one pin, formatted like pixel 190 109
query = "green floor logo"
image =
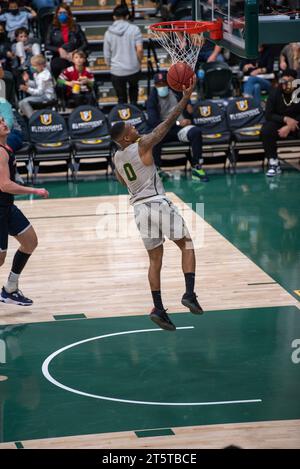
pixel 296 353
pixel 2 351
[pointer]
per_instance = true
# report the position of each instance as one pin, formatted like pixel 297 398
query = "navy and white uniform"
pixel 12 220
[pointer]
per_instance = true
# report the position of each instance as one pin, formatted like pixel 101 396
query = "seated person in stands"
pixel 24 47
pixel 210 52
pixel 6 57
pixel 16 18
pixel 180 9
pixel 290 57
pixel 252 68
pixel 78 80
pixel 282 118
pixel 160 103
pixel 6 54
pixel 40 89
pixel 63 37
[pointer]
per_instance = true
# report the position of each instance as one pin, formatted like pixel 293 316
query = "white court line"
pixel 49 377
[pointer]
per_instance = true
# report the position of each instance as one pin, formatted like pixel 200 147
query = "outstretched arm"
pixel 9 186
pixel 147 142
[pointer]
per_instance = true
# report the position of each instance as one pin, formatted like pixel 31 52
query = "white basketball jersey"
pixel 143 182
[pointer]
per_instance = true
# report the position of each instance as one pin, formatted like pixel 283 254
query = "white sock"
pixel 12 282
pixel 273 161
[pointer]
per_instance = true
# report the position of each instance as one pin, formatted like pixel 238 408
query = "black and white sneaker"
pixel 160 317
pixel 273 170
pixel 15 298
pixel 191 302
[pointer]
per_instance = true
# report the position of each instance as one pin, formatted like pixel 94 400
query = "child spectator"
pixel 78 80
pixel 41 88
pixel 16 18
pixel 25 47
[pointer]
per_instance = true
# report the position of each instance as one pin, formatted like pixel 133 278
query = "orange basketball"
pixel 180 75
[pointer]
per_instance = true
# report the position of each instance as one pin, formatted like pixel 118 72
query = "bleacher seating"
pixel 225 136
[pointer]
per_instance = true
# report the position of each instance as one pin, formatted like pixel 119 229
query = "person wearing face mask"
pixel 15 18
pixel 282 118
pixel 63 37
pixel 161 101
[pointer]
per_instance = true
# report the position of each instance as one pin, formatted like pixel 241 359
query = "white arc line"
pixel 46 373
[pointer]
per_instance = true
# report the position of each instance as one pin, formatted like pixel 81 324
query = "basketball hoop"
pixel 183 39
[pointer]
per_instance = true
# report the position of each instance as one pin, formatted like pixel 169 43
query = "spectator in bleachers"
pixel 63 37
pixel 252 68
pixel 290 57
pixel 25 47
pixel 160 103
pixel 39 4
pixel 78 80
pixel 6 54
pixel 6 57
pixel 210 53
pixel 40 89
pixel 180 9
pixel 282 118
pixel 16 18
pixel 123 53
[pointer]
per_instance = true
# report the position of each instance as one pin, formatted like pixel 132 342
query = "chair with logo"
pixel 24 153
pixel 245 119
pixel 211 118
pixel 173 153
pixel 129 114
pixel 88 130
pixel 50 141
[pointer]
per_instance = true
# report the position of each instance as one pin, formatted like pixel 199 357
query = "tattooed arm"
pixel 147 142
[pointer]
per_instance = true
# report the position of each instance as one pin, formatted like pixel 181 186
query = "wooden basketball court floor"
pixel 85 367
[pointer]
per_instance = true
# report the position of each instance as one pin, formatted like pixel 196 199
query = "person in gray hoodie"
pixel 123 53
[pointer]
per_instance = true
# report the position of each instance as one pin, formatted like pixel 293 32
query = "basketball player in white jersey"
pixel 155 214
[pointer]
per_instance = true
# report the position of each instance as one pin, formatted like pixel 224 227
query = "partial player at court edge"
pixel 155 215
pixel 13 222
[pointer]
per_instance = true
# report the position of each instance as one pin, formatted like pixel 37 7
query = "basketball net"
pixel 182 46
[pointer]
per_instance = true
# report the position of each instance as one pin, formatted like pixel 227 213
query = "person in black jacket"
pixel 161 102
pixel 63 37
pixel 282 118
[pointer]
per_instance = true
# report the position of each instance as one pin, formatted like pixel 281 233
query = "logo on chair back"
pixel 124 113
pixel 242 105
pixel 205 111
pixel 46 119
pixel 86 116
